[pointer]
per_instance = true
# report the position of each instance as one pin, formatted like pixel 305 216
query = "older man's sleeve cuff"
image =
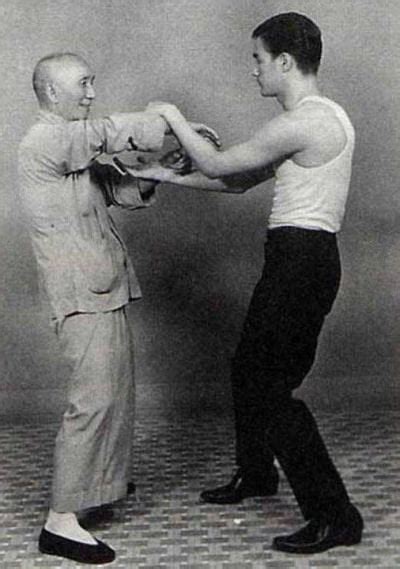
pixel 131 196
pixel 144 131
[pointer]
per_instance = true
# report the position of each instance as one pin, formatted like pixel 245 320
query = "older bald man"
pixel 88 277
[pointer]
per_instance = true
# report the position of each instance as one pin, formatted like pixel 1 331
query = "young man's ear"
pixel 286 61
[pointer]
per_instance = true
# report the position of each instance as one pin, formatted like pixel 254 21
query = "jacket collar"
pixel 48 117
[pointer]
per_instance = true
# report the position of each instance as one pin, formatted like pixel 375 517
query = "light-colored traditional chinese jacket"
pixel 83 263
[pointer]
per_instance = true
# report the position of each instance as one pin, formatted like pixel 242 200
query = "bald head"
pixel 49 69
pixel 61 80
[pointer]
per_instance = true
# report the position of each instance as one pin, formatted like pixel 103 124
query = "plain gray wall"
pixel 198 255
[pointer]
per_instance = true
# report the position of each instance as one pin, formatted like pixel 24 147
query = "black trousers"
pixel 277 348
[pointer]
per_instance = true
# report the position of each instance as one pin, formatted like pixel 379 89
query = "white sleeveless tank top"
pixel 314 197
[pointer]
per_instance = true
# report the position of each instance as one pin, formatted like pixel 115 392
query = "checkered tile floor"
pixel 164 526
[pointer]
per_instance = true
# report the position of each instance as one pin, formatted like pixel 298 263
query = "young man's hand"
pixel 169 111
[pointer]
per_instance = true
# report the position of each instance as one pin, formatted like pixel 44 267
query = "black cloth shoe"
pixel 241 487
pixel 319 535
pixel 53 544
pixel 95 516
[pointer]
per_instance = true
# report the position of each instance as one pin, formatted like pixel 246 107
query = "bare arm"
pixel 235 184
pixel 277 139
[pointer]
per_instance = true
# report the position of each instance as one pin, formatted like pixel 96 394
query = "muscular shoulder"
pixel 307 124
pixel 319 114
pixel 286 133
pixel 322 132
pixel 310 135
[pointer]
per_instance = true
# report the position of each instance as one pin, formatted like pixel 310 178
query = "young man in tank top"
pixel 308 148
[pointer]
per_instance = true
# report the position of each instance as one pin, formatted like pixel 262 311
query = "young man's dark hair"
pixel 294 34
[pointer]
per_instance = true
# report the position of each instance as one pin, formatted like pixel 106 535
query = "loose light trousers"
pixel 92 458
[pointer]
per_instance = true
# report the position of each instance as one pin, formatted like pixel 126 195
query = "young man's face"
pixel 74 91
pixel 266 70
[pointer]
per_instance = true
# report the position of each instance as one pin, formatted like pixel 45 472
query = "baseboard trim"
pixel 339 393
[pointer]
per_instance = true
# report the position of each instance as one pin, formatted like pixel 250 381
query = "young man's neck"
pixel 297 89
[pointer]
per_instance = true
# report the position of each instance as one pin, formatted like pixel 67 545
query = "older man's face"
pixel 73 84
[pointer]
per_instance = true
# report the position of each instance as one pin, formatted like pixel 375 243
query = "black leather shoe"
pixel 319 535
pixel 53 544
pixel 241 487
